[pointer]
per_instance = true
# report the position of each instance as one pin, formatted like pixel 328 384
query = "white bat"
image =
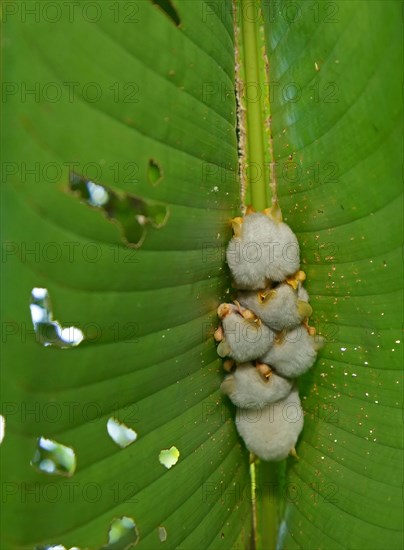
pixel 278 308
pixel 271 432
pixel 242 336
pixel 262 250
pixel 249 389
pixel 293 353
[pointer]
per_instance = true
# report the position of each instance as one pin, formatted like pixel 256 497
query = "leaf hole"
pixel 157 215
pixel 56 547
pixel 123 534
pixel 154 172
pixel 48 331
pixel 168 8
pixel 169 457
pixel 54 458
pixel 132 214
pixel 2 428
pixel 120 433
pixel 162 531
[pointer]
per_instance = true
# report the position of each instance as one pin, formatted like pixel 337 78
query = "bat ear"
pixel 249 210
pixel 296 278
pixel 265 295
pixel 292 281
pixel 245 313
pixel 223 310
pixel 236 224
pixel 301 275
pixel 274 212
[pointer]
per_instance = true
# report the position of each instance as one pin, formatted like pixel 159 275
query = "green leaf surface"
pixel 138 97
pixel 335 72
pixel 118 93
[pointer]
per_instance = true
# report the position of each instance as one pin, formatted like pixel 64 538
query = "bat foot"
pixel 264 370
pixel 293 453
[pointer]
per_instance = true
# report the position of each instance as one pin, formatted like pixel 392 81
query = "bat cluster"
pixel 264 335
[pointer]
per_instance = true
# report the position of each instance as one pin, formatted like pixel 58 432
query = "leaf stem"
pixel 269 482
pixel 254 91
pixel 256 157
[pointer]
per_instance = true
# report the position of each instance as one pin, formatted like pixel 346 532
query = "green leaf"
pixel 126 96
pixel 335 72
pixel 137 97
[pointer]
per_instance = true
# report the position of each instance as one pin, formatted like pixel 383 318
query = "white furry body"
pixel 279 311
pixel 271 432
pixel 245 339
pixel 294 355
pixel 247 388
pixel 265 251
pixel 264 259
